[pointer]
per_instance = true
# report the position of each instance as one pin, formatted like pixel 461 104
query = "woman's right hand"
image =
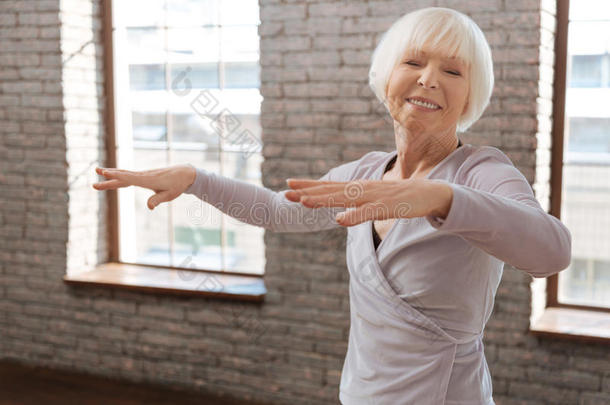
pixel 167 183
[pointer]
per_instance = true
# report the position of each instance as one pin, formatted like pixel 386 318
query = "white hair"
pixel 444 30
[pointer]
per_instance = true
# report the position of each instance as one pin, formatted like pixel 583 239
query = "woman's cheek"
pixel 395 108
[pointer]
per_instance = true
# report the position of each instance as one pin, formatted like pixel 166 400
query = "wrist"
pixel 442 203
pixel 192 175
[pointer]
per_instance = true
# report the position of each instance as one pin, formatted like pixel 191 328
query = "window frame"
pixel 146 276
pixel 579 323
pixel 557 152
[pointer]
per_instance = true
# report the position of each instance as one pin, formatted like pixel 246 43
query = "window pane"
pixel 242 75
pixel 590 10
pixel 149 126
pixel 147 77
pixel 146 45
pixel 588 37
pixel 245 137
pixel 586 171
pixel 589 135
pixel 192 13
pixel 199 75
pixel 586 212
pixel 192 128
pixel 151 227
pixel 586 71
pixel 193 45
pixel 602 272
pixel 239 12
pixel 239 43
pixel 197 224
pixel 140 13
pixel 244 251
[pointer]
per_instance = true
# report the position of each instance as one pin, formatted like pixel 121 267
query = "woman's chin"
pixel 414 125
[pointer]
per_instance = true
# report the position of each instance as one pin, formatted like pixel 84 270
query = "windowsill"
pixel 576 324
pixel 160 280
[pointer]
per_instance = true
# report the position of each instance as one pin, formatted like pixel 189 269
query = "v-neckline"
pixel 378 175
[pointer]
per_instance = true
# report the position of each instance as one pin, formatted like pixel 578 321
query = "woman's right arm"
pixel 246 202
pixel 260 206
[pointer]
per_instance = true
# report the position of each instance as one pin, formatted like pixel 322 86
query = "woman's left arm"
pixel 494 208
pixel 491 205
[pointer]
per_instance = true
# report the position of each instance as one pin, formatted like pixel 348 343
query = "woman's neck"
pixel 417 159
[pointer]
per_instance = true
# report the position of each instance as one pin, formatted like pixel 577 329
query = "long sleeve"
pixel 260 206
pixel 494 208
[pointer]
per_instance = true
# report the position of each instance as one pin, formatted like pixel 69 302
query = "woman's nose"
pixel 427 79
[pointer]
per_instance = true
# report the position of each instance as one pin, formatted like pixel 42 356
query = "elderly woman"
pixel 430 224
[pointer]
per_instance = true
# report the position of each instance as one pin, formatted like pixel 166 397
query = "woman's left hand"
pixel 374 199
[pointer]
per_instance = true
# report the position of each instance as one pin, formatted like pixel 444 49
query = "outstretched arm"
pixel 260 206
pixel 494 208
pixel 491 205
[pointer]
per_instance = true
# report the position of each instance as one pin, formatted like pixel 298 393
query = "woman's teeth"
pixel 423 104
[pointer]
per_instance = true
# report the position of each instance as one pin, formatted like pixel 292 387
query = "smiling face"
pixel 428 90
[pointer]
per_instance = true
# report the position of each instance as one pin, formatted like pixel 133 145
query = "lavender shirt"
pixel 420 301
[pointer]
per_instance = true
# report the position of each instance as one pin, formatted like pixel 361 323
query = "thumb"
pixel 158 198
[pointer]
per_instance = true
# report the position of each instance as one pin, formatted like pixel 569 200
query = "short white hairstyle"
pixel 444 30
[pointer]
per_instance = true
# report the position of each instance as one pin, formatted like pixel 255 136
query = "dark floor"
pixel 24 385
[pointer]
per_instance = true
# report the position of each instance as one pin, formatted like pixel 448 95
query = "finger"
pixel 366 212
pixel 344 195
pixel 106 172
pixel 141 179
pixel 295 195
pixel 336 199
pixel 159 198
pixel 350 189
pixel 303 183
pixel 109 185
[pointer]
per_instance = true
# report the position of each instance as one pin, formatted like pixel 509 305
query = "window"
pixel 585 171
pixel 167 55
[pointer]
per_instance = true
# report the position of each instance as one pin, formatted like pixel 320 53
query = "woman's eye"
pixel 412 63
pixel 453 72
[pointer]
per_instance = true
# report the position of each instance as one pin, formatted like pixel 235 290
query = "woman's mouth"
pixel 427 105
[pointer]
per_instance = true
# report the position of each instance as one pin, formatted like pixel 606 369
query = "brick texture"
pixel 314 57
